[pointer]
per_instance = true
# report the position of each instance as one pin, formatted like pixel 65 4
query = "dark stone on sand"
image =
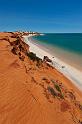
pixel 46 59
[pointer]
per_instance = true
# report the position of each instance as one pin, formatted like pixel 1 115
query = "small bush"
pixel 53 81
pixel 61 95
pixel 57 88
pixel 51 90
pixel 33 56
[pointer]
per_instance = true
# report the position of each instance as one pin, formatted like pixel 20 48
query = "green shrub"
pixel 33 56
pixel 52 91
pixel 57 88
pixel 61 95
pixel 53 81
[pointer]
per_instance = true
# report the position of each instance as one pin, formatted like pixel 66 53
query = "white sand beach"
pixel 70 72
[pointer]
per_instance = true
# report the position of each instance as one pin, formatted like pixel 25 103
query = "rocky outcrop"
pixel 19 47
pixel 46 59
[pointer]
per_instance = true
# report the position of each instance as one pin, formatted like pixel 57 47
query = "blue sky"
pixel 41 15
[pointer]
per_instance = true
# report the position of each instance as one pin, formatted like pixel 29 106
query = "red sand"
pixel 25 97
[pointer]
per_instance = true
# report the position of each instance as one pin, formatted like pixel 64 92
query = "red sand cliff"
pixel 32 92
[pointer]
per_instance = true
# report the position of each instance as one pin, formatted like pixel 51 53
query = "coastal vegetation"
pixel 33 56
pixel 57 88
pixel 52 91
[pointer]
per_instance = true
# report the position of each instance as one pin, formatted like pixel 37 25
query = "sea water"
pixel 65 46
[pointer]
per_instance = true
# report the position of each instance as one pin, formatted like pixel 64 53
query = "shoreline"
pixel 68 57
pixel 68 71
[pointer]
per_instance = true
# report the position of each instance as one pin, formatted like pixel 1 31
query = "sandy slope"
pixel 24 97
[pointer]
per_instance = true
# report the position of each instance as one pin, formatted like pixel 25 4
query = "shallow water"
pixel 67 47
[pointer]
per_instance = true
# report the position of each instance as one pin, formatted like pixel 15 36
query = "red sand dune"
pixel 29 93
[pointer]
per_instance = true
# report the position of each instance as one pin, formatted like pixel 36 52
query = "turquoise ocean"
pixel 65 46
